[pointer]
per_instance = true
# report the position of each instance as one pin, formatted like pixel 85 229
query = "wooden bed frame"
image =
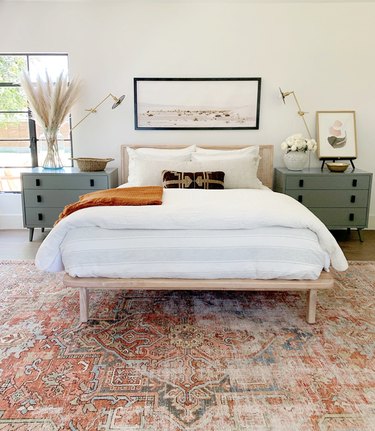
pixel 265 174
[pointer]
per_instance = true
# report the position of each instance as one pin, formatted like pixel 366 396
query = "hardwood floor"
pixel 353 248
pixel 14 244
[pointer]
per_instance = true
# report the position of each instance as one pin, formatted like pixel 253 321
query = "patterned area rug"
pixel 185 361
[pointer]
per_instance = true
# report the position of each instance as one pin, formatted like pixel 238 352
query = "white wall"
pixel 322 51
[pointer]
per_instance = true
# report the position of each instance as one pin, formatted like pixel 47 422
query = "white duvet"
pixel 227 209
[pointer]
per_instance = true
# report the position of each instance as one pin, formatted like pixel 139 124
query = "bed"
pixel 233 239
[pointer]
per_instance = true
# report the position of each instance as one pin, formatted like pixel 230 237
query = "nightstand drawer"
pixel 342 217
pixel 331 198
pixel 328 182
pixel 72 182
pixel 41 217
pixel 51 198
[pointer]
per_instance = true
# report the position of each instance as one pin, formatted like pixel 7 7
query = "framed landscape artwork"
pixel 336 134
pixel 196 103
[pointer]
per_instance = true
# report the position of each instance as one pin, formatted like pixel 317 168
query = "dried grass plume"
pixel 50 101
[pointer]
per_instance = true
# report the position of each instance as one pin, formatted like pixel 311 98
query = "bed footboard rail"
pixel 85 284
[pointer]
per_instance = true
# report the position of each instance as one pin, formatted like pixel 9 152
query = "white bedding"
pixel 270 252
pixel 193 210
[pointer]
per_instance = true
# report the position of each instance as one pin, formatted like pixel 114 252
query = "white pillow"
pixel 148 172
pixel 160 152
pixel 240 172
pixel 183 154
pixel 252 150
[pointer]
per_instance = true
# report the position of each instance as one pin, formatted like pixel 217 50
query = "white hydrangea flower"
pixel 298 142
pixel 290 141
pixel 284 146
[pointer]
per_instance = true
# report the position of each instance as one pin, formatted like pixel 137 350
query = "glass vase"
pixel 295 160
pixel 52 160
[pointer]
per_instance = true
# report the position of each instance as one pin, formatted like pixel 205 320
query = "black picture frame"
pixel 197 103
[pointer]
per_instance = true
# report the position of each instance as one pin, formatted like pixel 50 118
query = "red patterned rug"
pixel 185 361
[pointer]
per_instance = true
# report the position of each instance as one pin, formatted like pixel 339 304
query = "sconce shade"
pixel 118 101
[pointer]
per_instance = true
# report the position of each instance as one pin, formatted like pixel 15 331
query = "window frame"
pixel 31 123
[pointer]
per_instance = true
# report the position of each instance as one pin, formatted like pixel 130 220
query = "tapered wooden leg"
pixel 312 296
pixel 84 304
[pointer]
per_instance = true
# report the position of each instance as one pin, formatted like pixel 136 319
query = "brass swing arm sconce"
pixel 284 95
pixel 117 102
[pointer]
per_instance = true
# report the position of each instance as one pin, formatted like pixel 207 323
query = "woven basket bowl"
pixel 90 164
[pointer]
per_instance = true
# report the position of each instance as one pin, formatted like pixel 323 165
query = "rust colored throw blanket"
pixel 150 195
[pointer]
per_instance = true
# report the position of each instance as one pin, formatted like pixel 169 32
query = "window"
pixel 21 139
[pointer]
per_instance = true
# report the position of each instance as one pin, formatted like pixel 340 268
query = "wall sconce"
pixel 284 95
pixel 117 102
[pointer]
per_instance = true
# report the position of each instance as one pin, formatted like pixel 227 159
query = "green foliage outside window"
pixel 12 98
pixel 10 68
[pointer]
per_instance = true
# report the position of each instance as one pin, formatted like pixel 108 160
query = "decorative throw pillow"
pixel 193 180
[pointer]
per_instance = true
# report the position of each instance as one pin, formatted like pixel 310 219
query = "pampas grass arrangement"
pixel 50 103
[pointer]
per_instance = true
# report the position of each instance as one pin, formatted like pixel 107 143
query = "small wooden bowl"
pixel 337 167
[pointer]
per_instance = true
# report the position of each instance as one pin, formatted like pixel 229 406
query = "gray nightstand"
pixel 340 200
pixel 46 192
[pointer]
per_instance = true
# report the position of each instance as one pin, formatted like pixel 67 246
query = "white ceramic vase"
pixel 296 160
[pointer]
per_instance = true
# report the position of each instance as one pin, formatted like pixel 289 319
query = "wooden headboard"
pixel 265 169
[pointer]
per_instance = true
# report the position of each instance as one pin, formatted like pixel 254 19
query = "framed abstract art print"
pixel 336 135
